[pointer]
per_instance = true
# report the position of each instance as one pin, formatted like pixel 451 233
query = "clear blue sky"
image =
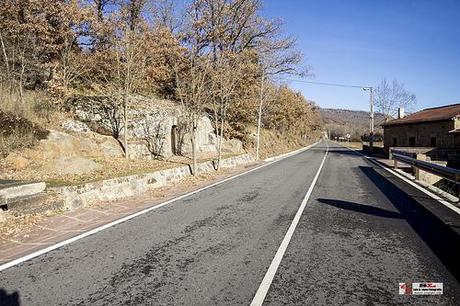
pixel 361 42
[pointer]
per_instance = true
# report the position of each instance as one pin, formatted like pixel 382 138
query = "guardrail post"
pixel 421 166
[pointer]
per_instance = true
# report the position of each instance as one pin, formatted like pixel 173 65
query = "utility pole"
pixel 371 117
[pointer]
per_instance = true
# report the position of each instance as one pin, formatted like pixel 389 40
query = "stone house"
pixel 436 129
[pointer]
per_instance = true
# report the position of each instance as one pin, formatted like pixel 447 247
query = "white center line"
pixel 267 281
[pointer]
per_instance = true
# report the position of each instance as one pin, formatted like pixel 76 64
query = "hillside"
pixel 132 87
pixel 339 122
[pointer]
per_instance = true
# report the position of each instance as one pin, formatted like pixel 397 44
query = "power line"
pixel 369 88
pixel 325 84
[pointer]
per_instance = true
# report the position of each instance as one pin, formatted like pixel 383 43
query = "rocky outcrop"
pixel 60 144
pixel 75 126
pixel 156 127
pixel 63 153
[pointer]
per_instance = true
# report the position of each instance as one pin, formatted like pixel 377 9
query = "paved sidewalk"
pixel 55 229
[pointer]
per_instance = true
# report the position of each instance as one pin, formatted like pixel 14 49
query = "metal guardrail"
pixel 377 144
pixel 405 153
pixel 448 173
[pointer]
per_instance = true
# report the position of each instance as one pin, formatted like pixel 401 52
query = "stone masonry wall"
pixel 422 134
pixel 122 187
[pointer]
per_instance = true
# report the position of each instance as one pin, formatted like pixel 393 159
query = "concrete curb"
pixel 127 186
pixel 10 193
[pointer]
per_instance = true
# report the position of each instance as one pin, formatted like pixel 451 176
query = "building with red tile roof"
pixel 437 127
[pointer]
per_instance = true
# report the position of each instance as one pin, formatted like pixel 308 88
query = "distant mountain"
pixel 342 121
pixel 346 116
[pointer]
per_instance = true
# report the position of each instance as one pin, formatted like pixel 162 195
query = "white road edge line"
pixel 413 184
pixel 268 278
pixel 126 218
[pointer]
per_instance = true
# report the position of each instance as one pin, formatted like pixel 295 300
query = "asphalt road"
pixel 359 236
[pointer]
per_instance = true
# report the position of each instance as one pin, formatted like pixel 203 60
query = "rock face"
pixel 75 126
pixel 205 138
pixel 232 146
pixel 155 128
pixel 68 154
pixel 60 144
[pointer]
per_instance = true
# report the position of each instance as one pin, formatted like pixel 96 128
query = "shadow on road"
pixel 362 208
pixel 442 240
pixel 9 299
pixel 343 151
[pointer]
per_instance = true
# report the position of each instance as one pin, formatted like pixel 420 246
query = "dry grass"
pixel 17 133
pixel 111 168
pixel 15 141
pixel 23 123
pixel 273 143
pixel 35 107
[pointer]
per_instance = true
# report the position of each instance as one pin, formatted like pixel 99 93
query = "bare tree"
pixel 130 69
pixel 193 91
pixel 165 15
pixel 277 56
pixel 192 72
pixel 100 6
pixel 391 96
pixel 155 137
pixel 235 26
pixel 225 79
pixel 124 64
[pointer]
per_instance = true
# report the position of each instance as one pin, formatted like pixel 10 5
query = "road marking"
pixel 413 184
pixel 268 278
pixel 144 211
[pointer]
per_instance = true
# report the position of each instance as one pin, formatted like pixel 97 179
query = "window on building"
pixel 395 142
pixel 411 141
pixel 433 141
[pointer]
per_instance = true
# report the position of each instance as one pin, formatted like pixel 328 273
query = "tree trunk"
pixel 194 162
pixel 21 80
pixel 221 137
pixel 125 124
pixel 259 115
pixel 5 56
pixel 216 126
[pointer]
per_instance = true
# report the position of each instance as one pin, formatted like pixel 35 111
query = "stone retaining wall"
pixel 122 187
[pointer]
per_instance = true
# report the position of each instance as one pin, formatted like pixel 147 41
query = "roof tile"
pixel 430 114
